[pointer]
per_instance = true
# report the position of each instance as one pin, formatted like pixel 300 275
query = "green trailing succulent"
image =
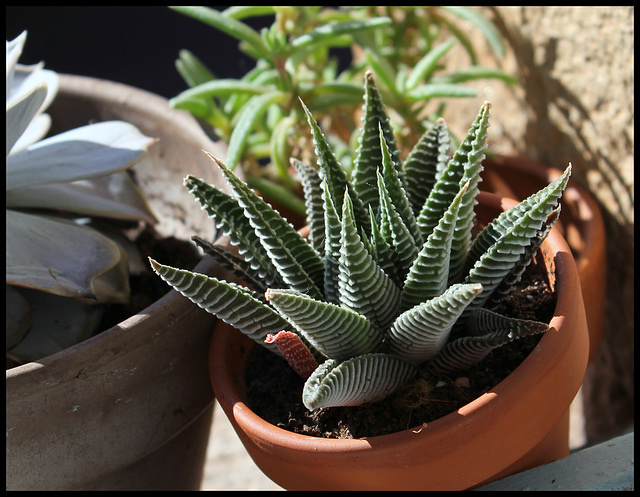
pixel 258 115
pixel 390 279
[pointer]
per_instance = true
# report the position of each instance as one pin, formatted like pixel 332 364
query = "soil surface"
pixel 274 390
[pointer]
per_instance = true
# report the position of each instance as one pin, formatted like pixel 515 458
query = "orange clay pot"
pixel 580 223
pixel 521 423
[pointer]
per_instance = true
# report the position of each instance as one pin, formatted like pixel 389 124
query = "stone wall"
pixel 575 103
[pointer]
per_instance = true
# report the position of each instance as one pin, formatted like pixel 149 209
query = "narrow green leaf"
pixel 475 72
pixel 242 12
pixel 278 193
pixel 330 31
pixel 383 70
pixel 488 30
pixel 226 24
pixel 218 88
pixel 192 69
pixel 439 90
pixel 427 64
pixel 280 150
pixel 250 114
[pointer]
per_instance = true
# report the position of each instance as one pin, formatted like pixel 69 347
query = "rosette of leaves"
pixel 60 190
pixel 258 114
pixel 390 279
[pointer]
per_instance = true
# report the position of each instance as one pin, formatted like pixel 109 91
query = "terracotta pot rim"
pixel 527 380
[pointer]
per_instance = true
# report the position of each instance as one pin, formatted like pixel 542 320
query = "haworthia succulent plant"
pixel 389 281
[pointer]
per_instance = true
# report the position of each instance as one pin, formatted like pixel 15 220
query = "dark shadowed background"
pixel 132 45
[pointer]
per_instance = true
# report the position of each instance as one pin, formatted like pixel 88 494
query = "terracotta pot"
pixel 520 423
pixel 580 223
pixel 130 408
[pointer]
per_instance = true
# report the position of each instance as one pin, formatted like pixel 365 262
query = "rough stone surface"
pixel 575 103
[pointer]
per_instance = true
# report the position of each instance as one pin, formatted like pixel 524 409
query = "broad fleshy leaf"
pixel 82 153
pixel 60 257
pixel 115 196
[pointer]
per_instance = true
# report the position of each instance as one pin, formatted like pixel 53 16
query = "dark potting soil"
pixel 274 390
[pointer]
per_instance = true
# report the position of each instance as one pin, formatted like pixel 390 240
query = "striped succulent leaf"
pixel 506 285
pixel 363 286
pixel 517 227
pixel 465 165
pixel 230 218
pixel 237 265
pixel 397 193
pixel 333 174
pixel 419 333
pixel 425 163
pixel 429 273
pixel 234 304
pixel 383 252
pixel 312 188
pixel 464 352
pixel 295 351
pixel 368 158
pixel 331 246
pixel 400 237
pixel 359 380
pixel 335 331
pixel 377 292
pixel 300 266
